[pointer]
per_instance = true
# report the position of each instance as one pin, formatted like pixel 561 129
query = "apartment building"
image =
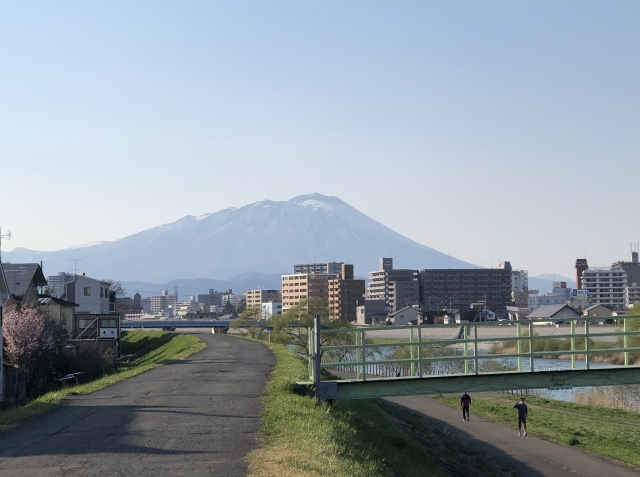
pixel 459 288
pixel 344 294
pixel 271 308
pixel 331 268
pixel 632 269
pixel 301 286
pixel 92 296
pixel 163 302
pixel 398 287
pixel 607 286
pixel 255 298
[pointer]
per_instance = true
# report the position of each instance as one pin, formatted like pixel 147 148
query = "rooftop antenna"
pixel 75 264
pixel 7 236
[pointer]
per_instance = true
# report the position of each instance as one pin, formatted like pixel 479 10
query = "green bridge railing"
pixel 354 348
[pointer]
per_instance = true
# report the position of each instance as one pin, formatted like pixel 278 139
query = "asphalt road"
pixel 196 417
pixel 530 456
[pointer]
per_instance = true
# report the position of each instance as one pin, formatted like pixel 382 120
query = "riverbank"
pixel 611 433
pixel 151 349
pixel 351 438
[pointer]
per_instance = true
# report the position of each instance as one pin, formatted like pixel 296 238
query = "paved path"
pixel 530 456
pixel 195 417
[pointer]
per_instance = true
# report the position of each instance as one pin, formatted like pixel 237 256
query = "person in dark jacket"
pixel 523 414
pixel 465 402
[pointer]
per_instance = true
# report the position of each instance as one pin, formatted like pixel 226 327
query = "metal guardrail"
pixel 129 324
pixel 361 357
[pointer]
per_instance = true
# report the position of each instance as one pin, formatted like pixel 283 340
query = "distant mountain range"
pixel 265 237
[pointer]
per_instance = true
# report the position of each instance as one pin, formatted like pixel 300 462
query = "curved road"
pixel 196 417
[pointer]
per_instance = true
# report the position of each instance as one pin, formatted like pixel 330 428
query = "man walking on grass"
pixel 522 416
pixel 465 402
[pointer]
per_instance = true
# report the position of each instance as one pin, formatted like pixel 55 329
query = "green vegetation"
pixel 151 349
pixel 613 433
pixel 349 438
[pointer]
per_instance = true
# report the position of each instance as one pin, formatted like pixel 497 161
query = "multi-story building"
pixel 632 269
pixel 92 296
pixel 163 302
pixel 459 288
pixel 519 285
pixel 331 268
pixel 383 285
pixel 255 298
pixel 371 312
pixel 607 286
pixel 211 299
pixel 344 294
pixel 301 286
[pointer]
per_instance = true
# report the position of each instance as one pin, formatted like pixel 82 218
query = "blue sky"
pixel 485 130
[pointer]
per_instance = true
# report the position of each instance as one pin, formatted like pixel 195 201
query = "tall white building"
pixel 607 287
pixel 91 295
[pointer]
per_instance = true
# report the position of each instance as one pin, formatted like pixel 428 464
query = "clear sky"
pixel 504 130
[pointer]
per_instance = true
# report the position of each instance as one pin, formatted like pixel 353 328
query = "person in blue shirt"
pixel 523 414
pixel 465 402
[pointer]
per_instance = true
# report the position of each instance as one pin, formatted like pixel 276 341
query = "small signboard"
pixel 269 328
pixel 108 332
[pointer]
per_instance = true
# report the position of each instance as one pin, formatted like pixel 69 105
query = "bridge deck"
pixel 464 361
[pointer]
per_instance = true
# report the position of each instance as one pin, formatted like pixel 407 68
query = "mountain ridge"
pixel 264 237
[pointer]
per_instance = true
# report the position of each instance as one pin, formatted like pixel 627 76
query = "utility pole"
pixel 7 236
pixel 75 264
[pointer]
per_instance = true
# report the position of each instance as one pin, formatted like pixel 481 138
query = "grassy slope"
pixel 152 348
pixel 349 438
pixel 612 433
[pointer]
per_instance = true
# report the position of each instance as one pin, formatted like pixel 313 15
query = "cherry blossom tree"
pixel 23 329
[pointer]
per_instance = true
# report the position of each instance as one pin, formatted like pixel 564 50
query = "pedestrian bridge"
pixel 130 324
pixel 473 357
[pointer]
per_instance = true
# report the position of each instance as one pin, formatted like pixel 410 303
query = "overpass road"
pixel 196 417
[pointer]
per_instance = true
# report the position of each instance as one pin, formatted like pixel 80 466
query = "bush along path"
pixel 150 349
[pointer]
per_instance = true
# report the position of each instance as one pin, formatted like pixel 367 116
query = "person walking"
pixel 465 402
pixel 523 414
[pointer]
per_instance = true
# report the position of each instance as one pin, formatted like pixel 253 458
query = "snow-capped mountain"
pixel 265 237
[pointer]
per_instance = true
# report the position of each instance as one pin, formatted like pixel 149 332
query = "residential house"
pixel 552 312
pixel 61 312
pixel 406 316
pixel 371 312
pixel 24 281
pixel 4 296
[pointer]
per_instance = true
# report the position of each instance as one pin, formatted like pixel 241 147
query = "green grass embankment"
pixel 151 349
pixel 612 433
pixel 349 438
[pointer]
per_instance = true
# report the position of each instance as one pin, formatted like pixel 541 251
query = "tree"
pixel 24 334
pixel 250 323
pixel 229 309
pixel 293 328
pixel 116 287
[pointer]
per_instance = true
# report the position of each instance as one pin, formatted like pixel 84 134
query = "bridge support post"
pixel 466 349
pixel 412 353
pixel 573 345
pixel 587 345
pixel 519 345
pixel 475 349
pixel 316 355
pixel 531 347
pixel 626 342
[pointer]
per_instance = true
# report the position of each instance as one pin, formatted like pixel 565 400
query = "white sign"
pixel 108 332
pixel 580 292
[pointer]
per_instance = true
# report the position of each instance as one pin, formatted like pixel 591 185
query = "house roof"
pixel 402 310
pixel 20 275
pixel 549 311
pixel 47 299
pixel 4 290
pixel 592 307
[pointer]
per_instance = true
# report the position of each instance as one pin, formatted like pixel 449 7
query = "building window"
pixel 87 291
pixel 108 324
pixel 86 324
